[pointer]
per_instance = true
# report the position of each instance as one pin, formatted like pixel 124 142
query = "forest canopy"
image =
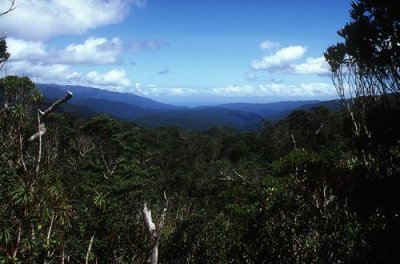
pixel 315 187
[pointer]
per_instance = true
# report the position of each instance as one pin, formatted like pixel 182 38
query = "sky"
pixel 184 52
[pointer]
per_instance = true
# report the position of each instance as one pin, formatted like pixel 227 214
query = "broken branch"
pixel 56 103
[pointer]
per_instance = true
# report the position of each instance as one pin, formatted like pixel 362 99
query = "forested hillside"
pixel 315 187
pixel 147 113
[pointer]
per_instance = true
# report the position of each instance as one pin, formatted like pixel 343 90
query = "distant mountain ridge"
pixel 95 93
pixel 271 111
pixel 148 113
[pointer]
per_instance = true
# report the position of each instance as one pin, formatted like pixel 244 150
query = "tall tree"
pixel 366 70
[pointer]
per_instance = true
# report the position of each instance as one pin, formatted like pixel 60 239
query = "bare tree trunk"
pixel 154 232
pixel 151 229
pixel 40 126
pixel 294 141
pixel 50 228
pixel 63 254
pixel 21 151
pixel 49 254
pixel 89 249
pixel 18 241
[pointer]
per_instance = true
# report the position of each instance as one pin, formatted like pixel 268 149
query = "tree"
pixel 369 58
pixel 4 55
pixel 366 72
pixel 366 65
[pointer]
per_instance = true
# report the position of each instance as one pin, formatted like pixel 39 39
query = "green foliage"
pixel 365 65
pixel 4 55
pixel 234 198
pixel 317 187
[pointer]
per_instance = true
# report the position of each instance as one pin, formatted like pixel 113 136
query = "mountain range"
pixel 88 101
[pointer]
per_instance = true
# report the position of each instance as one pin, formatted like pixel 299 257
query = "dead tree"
pixel 154 231
pixel 41 126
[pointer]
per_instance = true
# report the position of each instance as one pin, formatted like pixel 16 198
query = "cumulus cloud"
pixel 312 65
pixel 149 45
pixel 36 20
pixel 115 79
pixel 165 91
pixel 21 49
pixel 280 60
pixel 269 45
pixel 92 51
pixel 277 59
pixel 40 72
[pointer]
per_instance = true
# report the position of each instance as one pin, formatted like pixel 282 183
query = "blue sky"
pixel 185 52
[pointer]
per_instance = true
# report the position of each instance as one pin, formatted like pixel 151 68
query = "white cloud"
pixel 271 89
pixel 276 89
pixel 39 72
pixel 165 91
pixel 92 51
pixel 280 60
pixel 49 18
pixel 236 90
pixel 304 89
pixel 284 60
pixel 312 65
pixel 115 80
pixel 21 49
pixel 269 45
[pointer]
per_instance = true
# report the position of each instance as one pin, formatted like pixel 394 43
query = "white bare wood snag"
pixel 153 230
pixel 56 103
pixel 42 128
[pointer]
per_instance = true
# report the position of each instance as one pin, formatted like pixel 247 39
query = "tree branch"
pixel 11 8
pixel 56 103
pixel 42 128
pixel 41 132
